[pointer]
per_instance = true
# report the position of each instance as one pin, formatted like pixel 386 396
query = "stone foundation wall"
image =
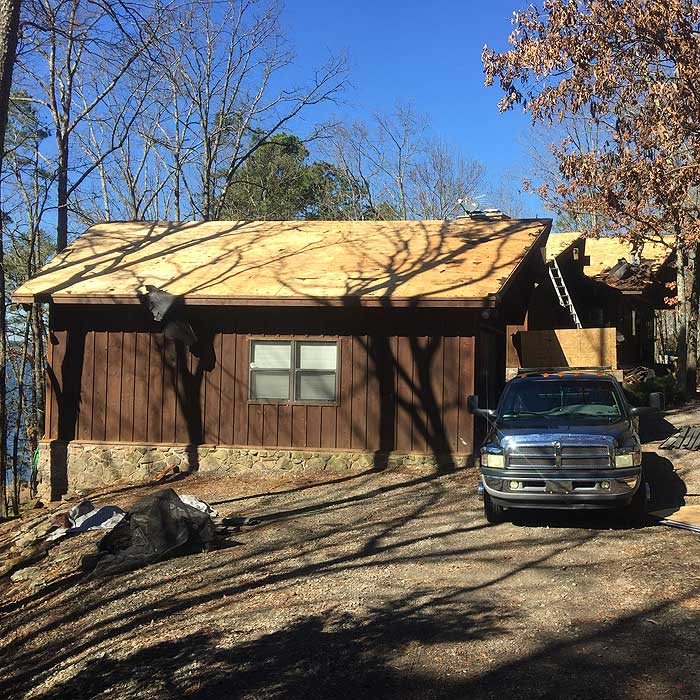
pixel 76 466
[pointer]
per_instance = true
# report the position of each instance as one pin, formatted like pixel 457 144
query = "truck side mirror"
pixel 642 411
pixel 473 407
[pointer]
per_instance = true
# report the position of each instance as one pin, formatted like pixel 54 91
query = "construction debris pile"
pixel 687 438
pixel 108 540
pixel 638 375
pixel 155 527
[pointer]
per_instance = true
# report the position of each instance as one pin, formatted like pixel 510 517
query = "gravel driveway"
pixel 374 586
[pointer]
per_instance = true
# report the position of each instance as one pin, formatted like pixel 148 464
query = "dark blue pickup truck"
pixel 561 439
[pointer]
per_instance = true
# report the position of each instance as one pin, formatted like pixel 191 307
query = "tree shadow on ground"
pixel 221 626
pixel 113 611
pixel 391 653
pixel 328 655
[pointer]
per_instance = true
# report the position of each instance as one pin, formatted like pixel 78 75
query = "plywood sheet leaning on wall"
pixel 570 347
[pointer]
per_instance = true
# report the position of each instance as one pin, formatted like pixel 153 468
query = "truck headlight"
pixel 493 460
pixel 632 458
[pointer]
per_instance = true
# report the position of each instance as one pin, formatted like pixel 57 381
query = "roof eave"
pixel 489 301
pixel 534 249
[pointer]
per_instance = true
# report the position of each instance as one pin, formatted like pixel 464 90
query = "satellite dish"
pixel 469 205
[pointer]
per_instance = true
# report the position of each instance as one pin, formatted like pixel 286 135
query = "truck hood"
pixel 614 434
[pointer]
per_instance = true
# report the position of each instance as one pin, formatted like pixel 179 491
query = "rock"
pixel 365 461
pixel 28 573
pixel 26 541
pixel 338 463
pixel 284 463
pixel 209 464
pixel 153 456
pixel 315 464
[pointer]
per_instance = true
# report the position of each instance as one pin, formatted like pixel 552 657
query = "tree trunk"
pixel 62 194
pixel 9 30
pixel 38 369
pixel 693 273
pixel 19 418
pixel 687 312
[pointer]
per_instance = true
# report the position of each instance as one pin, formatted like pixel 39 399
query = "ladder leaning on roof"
pixel 562 291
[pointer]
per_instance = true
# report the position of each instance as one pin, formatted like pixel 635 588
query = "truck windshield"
pixel 573 400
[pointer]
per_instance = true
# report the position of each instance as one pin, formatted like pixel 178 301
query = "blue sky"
pixel 429 53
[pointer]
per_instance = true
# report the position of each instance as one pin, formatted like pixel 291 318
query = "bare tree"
pixel 131 183
pixel 27 181
pixel 223 87
pixel 584 134
pixel 398 171
pixel 9 32
pixel 440 179
pixel 381 156
pixel 399 140
pixel 508 195
pixel 77 53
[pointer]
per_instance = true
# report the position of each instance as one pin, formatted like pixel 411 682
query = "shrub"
pixel 638 394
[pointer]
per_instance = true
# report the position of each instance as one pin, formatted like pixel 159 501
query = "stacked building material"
pixel 687 438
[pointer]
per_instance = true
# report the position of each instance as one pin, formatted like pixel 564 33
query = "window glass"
pixel 315 386
pixel 561 399
pixel 269 384
pixel 312 355
pixel 310 366
pixel 269 354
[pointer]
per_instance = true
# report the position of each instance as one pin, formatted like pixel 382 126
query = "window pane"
pixel 316 355
pixel 315 386
pixel 270 354
pixel 269 384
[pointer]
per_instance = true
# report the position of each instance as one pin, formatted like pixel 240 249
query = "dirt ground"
pixel 375 586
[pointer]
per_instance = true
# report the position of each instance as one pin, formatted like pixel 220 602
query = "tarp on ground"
pixel 154 527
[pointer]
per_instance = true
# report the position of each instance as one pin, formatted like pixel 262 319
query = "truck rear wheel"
pixel 493 513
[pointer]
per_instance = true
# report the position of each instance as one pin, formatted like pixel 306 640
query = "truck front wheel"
pixel 493 513
pixel 636 511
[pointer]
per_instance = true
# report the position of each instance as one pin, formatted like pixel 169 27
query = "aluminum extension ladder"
pixel 562 291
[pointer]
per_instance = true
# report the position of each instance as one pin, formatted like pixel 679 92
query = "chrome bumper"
pixel 594 489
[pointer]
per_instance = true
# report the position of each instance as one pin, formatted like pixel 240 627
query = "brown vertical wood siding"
pixel 404 376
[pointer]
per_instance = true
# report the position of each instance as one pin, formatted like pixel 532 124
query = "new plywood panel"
pixel 216 261
pixel 570 347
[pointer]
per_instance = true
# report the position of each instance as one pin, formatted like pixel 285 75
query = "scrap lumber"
pixel 687 438
pixel 684 518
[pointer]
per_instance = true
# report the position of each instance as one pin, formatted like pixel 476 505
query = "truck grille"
pixel 572 457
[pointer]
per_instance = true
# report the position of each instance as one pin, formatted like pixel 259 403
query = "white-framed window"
pixel 296 371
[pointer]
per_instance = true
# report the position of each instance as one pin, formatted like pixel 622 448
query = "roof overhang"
pixel 59 292
pixel 347 302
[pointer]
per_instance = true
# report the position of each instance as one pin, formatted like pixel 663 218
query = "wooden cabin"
pixel 292 345
pixel 609 289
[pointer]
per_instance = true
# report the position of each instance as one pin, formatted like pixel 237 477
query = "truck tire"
pixel 636 512
pixel 493 513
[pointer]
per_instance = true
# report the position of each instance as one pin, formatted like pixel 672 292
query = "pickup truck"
pixel 561 439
